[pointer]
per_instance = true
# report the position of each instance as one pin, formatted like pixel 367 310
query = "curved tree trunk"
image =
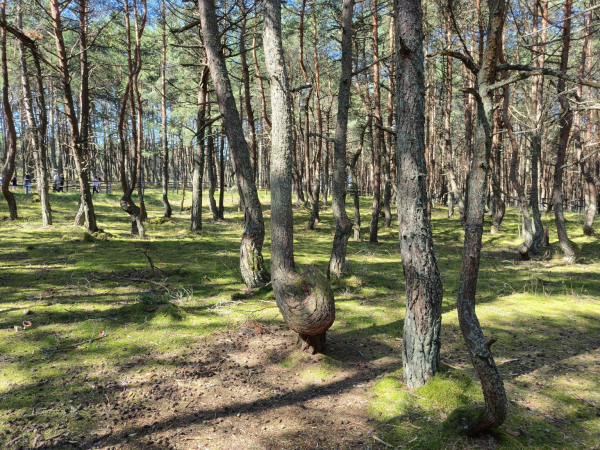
pixel 479 350
pixel 343 225
pixel 78 138
pixel 528 245
pixel 305 300
pixel 422 322
pixel 252 265
pixel 9 166
pixel 565 125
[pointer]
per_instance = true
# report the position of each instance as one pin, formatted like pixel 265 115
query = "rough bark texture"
pixel 528 245
pixel 198 164
pixel 163 112
pixel 565 125
pixel 378 138
pixel 586 175
pixel 481 356
pixel 305 300
pixel 78 140
pixel 343 225
pixel 422 322
pixel 537 87
pixel 36 126
pixel 9 165
pixel 252 265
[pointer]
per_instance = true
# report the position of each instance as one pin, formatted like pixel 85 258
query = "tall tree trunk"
pixel 252 265
pixel 247 97
pixel 221 179
pixel 495 171
pixel 305 300
pixel 387 179
pixel 586 176
pixel 9 166
pixel 479 350
pixel 528 245
pixel 37 127
pixel 78 138
pixel 377 113
pixel 198 158
pixel 537 87
pixel 210 170
pixel 343 225
pixel 422 322
pixel 163 112
pixel 565 125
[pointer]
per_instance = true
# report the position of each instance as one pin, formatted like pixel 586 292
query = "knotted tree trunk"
pixel 305 300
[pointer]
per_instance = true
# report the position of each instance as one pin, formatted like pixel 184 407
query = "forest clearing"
pixel 302 224
pixel 182 365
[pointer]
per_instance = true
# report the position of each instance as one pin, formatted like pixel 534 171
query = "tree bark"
pixel 252 265
pixel 9 166
pixel 377 113
pixel 479 350
pixel 305 300
pixel 198 158
pixel 586 176
pixel 343 225
pixel 422 322
pixel 78 138
pixel 565 125
pixel 163 112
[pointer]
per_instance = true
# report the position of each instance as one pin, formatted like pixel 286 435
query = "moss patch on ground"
pixel 57 375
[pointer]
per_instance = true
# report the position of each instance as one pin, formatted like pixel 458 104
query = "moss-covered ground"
pixel 169 331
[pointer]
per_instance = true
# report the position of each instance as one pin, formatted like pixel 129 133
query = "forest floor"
pixel 185 365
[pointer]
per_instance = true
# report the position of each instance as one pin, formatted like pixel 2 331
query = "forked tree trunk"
pixel 565 125
pixel 163 112
pixel 343 225
pixel 479 350
pixel 9 166
pixel 252 265
pixel 422 322
pixel 305 300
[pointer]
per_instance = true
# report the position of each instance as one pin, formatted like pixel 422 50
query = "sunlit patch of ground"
pixel 183 364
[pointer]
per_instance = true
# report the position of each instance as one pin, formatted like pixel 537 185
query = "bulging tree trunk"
pixel 252 267
pixel 423 319
pixel 305 300
pixel 343 225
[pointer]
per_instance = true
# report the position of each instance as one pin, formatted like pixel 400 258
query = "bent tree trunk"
pixel 479 350
pixel 252 265
pixel 305 300
pixel 9 166
pixel 343 225
pixel 78 142
pixel 423 319
pixel 565 125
